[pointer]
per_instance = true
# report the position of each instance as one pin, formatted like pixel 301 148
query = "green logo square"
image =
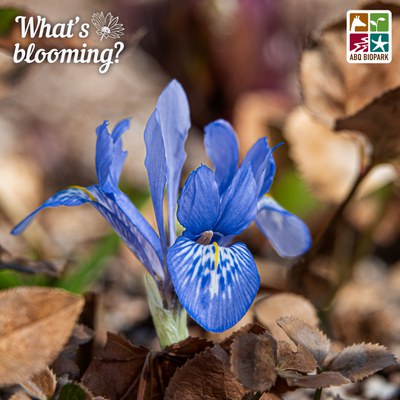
pixel 379 22
pixel 379 42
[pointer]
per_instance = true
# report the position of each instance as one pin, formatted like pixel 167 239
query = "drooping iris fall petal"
pixel 216 285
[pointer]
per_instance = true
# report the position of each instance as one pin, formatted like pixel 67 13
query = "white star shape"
pixel 379 44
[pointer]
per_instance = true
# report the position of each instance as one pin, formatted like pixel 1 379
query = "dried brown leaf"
pixel 269 396
pixel 253 361
pixel 35 323
pixel 322 380
pixel 144 373
pixel 20 396
pixel 253 114
pixel 379 121
pixel 205 377
pixel 361 311
pixel 159 367
pixel 314 146
pixel 115 371
pixel 249 328
pixel 362 360
pixel 309 337
pixel 33 390
pixel 41 385
pixel 145 382
pixel 81 334
pixel 285 305
pixel 176 355
pixel 66 362
pixel 301 360
pixel 270 309
pixel 46 382
pixel 187 347
pixel 65 366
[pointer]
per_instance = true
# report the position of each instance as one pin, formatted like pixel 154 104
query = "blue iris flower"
pixel 214 280
pixel 217 282
pixel 165 135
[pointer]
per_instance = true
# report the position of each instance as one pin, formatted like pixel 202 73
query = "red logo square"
pixel 359 42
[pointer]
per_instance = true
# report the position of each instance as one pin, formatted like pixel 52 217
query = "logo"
pixel 369 36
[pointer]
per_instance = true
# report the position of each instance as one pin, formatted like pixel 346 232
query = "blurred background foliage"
pixel 238 60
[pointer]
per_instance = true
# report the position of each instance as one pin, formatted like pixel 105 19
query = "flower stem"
pixel 317 395
pixel 257 396
pixel 300 267
pixel 170 324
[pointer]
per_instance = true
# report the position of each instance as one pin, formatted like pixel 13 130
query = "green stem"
pixel 317 395
pixel 170 324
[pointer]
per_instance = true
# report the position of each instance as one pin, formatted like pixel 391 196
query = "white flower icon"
pixel 107 26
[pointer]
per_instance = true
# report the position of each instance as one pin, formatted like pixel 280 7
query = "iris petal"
pixel 119 129
pixel 222 149
pixel 239 203
pixel 68 197
pixel 110 157
pixel 120 213
pixel 131 226
pixel 216 285
pixel 262 164
pixel 198 204
pixel 173 109
pixel 288 234
pixel 156 166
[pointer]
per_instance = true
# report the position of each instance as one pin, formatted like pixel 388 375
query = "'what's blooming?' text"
pixel 38 27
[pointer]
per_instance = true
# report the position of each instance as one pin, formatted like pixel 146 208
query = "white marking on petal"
pixel 216 296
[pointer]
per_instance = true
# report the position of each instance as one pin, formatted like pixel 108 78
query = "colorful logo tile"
pixel 359 42
pixel 379 22
pixel 359 22
pixel 379 42
pixel 369 36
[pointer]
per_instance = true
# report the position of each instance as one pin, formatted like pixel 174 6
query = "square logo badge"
pixel 369 36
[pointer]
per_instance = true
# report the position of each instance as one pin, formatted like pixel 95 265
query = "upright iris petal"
pixel 113 204
pixel 262 164
pixel 238 204
pixel 110 156
pixel 198 205
pixel 219 136
pixel 156 166
pixel 174 121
